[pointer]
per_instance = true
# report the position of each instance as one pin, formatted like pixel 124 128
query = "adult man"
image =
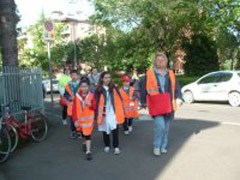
pixel 161 86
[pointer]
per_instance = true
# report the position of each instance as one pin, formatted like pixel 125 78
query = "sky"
pixel 30 10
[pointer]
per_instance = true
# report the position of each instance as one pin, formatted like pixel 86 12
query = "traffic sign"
pixel 48 30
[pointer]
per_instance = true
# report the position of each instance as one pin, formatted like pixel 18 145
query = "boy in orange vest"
pixel 130 104
pixel 83 114
pixel 70 91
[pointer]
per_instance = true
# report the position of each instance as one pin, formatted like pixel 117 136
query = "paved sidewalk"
pixel 198 149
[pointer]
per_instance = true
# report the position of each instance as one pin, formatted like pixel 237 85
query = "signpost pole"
pixel 50 75
pixel 48 34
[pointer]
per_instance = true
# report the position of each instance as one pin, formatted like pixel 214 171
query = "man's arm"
pixel 178 93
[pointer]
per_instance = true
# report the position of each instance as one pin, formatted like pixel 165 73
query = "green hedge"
pixel 184 80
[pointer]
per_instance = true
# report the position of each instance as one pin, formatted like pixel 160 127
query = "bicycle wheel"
pixel 13 136
pixel 5 144
pixel 38 127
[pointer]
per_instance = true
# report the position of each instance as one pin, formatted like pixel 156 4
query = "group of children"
pixel 108 105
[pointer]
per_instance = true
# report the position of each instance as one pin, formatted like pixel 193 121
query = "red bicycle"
pixel 34 126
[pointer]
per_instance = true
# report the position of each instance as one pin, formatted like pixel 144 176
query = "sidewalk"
pixel 60 158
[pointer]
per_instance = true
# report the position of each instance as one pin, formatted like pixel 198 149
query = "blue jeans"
pixel 161 128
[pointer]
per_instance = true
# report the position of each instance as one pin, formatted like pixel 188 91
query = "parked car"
pixel 215 86
pixel 47 87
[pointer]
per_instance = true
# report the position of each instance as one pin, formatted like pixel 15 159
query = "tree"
pixel 161 25
pixel 201 56
pixel 37 55
pixel 92 49
pixel 8 33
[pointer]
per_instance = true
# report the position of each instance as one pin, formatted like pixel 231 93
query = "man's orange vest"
pixel 130 106
pixel 119 112
pixel 84 117
pixel 69 104
pixel 153 88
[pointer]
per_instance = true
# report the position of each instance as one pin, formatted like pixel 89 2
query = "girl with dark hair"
pixel 109 111
pixel 83 114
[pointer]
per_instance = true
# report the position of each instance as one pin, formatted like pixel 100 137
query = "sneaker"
pixel 73 135
pixel 117 151
pixel 107 149
pixel 79 135
pixel 130 128
pixel 84 147
pixel 89 156
pixel 156 152
pixel 126 133
pixel 64 121
pixel 164 151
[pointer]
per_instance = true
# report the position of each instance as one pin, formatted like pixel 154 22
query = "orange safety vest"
pixel 153 88
pixel 84 115
pixel 69 104
pixel 119 112
pixel 130 106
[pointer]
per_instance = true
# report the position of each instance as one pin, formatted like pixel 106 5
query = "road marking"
pixel 230 123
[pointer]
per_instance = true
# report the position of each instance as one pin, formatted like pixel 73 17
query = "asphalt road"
pixel 204 145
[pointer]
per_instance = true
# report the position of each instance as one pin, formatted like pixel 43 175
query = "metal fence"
pixel 21 87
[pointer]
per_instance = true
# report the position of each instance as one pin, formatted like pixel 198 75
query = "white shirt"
pixel 109 121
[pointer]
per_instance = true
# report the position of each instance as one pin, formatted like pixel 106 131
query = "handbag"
pixel 63 101
pixel 159 104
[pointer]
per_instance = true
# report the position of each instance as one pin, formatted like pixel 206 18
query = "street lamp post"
pixel 74 45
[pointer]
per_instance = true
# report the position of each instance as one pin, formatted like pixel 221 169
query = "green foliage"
pixel 91 50
pixel 141 27
pixel 201 56
pixel 184 80
pixel 37 55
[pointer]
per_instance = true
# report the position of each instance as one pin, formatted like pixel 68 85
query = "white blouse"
pixel 109 121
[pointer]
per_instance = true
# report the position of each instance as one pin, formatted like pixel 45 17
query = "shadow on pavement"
pixel 61 158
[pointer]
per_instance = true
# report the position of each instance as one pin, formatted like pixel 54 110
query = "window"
pixel 212 78
pixel 216 78
pixel 224 77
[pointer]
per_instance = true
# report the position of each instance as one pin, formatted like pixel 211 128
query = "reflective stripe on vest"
pixel 77 124
pixel 86 118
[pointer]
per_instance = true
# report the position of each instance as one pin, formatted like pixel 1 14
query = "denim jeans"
pixel 161 128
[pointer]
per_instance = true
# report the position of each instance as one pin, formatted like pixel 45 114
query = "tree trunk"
pixel 8 33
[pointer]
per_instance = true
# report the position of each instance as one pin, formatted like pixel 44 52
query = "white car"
pixel 47 87
pixel 215 86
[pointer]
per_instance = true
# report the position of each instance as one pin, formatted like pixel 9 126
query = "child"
pixel 70 91
pixel 109 111
pixel 83 114
pixel 130 104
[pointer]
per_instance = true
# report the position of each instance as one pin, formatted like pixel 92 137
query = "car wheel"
pixel 188 97
pixel 234 99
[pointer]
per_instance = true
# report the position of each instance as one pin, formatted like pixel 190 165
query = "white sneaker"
pixel 164 151
pixel 156 152
pixel 130 128
pixel 107 149
pixel 117 151
pixel 64 121
pixel 126 133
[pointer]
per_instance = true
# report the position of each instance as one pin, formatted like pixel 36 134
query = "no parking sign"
pixel 48 30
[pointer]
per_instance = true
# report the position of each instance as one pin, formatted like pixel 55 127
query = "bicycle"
pixel 5 141
pixel 34 126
